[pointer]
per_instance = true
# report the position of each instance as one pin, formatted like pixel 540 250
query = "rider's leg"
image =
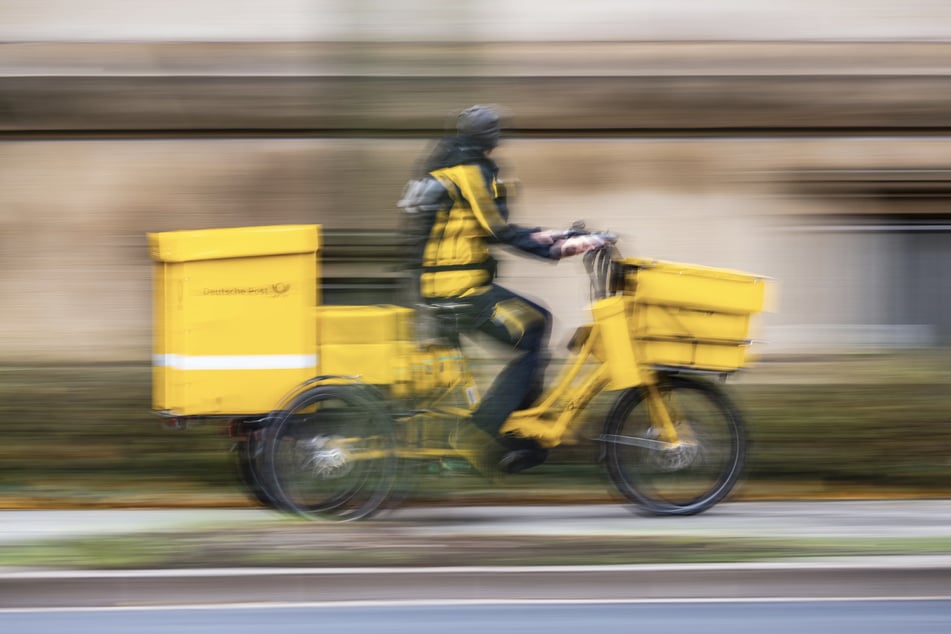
pixel 525 326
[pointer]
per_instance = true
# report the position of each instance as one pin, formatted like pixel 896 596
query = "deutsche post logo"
pixel 277 289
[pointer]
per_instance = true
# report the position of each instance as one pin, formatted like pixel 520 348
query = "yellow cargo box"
pixel 720 357
pixel 364 324
pixel 234 321
pixel 648 320
pixel 683 315
pixel 374 342
pixel 376 363
pixel 695 287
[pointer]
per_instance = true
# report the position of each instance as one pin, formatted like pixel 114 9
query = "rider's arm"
pixel 475 183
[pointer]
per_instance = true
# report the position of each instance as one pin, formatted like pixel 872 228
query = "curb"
pixel 865 578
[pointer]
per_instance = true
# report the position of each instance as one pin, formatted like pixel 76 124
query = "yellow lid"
pixel 235 242
pixel 680 268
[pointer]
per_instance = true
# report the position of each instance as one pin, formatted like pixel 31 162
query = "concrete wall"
pixel 76 276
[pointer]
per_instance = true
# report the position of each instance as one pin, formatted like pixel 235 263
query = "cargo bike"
pixel 330 405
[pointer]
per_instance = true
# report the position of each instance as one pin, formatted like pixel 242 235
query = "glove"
pixel 547 237
pixel 576 245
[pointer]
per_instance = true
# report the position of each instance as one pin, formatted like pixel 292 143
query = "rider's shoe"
pixel 519 460
pixel 479 449
pixel 522 454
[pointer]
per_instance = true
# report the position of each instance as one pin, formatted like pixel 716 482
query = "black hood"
pixel 455 150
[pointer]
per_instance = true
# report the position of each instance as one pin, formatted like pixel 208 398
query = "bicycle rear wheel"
pixel 331 454
pixel 249 458
pixel 683 478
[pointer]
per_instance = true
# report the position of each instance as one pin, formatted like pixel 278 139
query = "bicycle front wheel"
pixel 681 478
pixel 331 454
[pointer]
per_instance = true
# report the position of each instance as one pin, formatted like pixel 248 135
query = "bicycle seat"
pixel 446 309
pixel 447 317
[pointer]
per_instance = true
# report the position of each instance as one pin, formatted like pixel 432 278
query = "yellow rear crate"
pixel 372 342
pixel 234 321
pixel 376 343
pixel 380 323
pixel 684 315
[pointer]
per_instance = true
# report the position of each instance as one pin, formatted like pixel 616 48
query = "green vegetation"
pixel 86 435
pixel 303 544
pixel 865 426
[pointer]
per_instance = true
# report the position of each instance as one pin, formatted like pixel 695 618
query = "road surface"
pixel 731 617
pixel 834 519
pixel 902 575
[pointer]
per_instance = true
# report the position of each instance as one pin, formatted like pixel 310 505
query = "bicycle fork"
pixel 663 415
pixel 668 428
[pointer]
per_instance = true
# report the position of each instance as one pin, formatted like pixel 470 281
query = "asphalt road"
pixel 842 519
pixel 776 617
pixel 882 578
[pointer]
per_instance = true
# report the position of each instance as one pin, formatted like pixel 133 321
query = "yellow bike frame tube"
pixel 531 423
pixel 581 396
pixel 662 418
pixel 564 381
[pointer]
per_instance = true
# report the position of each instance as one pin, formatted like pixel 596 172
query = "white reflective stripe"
pixel 236 362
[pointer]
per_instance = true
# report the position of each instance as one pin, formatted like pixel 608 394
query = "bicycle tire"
pixel 249 465
pixel 688 478
pixel 331 454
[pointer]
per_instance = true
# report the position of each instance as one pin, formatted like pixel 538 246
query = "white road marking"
pixel 466 602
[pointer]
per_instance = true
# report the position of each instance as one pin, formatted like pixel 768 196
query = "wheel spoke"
pixel 633 441
pixel 332 454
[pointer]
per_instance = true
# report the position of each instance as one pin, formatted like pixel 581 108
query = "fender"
pixel 367 390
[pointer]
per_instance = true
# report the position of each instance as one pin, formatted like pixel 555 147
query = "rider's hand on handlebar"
pixel 576 245
pixel 547 237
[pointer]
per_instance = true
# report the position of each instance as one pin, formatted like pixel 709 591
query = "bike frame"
pixel 650 320
pixel 554 419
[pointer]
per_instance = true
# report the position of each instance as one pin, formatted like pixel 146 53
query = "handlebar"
pixel 578 229
pixel 597 262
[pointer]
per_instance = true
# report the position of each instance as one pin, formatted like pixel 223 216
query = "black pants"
pixel 523 325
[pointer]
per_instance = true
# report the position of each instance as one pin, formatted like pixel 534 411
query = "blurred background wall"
pixel 800 139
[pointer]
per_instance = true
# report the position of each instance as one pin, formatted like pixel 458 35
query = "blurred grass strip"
pixel 303 547
pixel 852 427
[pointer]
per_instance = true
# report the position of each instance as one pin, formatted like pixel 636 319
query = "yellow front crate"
pixel 721 357
pixel 696 287
pixel 234 322
pixel 683 315
pixel 648 320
